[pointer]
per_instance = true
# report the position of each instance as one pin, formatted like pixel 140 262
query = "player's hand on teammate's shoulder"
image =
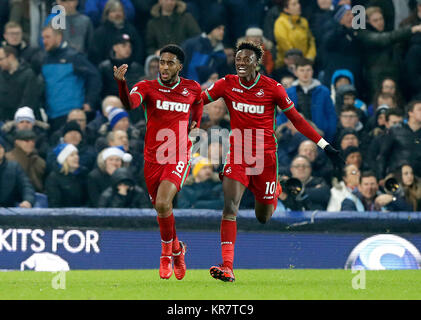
pixel 120 72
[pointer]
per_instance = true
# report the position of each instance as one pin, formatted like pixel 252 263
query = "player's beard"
pixel 169 80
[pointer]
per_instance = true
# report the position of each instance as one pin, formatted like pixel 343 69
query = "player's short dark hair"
pixel 302 62
pixel 175 50
pixel 249 45
pixel 393 112
pixel 8 50
pixel 367 174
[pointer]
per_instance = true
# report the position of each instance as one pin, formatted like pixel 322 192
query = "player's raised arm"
pixel 214 92
pixel 197 112
pixel 129 101
pixel 288 108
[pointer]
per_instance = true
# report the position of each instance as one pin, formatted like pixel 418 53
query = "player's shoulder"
pixel 145 83
pixel 192 84
pixel 269 82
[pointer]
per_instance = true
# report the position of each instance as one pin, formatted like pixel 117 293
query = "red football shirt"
pixel 252 109
pixel 167 112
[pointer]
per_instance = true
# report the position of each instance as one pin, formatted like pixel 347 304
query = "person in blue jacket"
pixel 312 99
pixel 71 81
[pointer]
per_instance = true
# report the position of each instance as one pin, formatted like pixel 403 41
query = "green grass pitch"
pixel 281 284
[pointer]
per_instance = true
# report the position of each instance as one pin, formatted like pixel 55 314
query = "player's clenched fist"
pixel 120 71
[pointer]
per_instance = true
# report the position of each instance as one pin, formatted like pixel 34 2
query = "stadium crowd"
pixel 66 141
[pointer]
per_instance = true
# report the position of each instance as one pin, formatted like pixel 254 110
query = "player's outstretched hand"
pixel 120 72
pixel 192 125
pixel 334 156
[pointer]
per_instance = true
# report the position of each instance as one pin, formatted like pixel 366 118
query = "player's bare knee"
pixel 263 218
pixel 163 207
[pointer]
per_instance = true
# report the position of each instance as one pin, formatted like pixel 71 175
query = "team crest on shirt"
pixel 288 100
pixel 185 92
pixel 228 171
pixel 260 94
pixel 133 90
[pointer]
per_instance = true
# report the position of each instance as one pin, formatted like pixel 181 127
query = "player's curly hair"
pixel 249 45
pixel 175 50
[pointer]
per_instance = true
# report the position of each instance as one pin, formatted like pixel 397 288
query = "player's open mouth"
pixel 241 70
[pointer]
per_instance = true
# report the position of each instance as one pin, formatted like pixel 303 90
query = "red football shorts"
pixel 155 173
pixel 262 185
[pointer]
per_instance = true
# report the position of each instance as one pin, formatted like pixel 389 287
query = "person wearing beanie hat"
pixel 346 138
pixel 65 186
pixel 118 119
pixel 108 161
pixel 24 114
pixel 199 176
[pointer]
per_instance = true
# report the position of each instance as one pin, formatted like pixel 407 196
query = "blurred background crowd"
pixel 355 75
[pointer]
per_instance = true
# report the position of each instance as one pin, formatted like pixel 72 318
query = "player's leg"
pixel 233 192
pixel 163 206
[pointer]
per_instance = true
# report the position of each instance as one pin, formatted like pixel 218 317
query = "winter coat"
pixel 15 186
pixel 66 190
pixel 379 56
pixel 413 67
pixel 136 197
pixel 33 165
pixel 70 81
pixel 293 32
pixel 204 195
pixel 399 144
pixel 338 193
pixel 162 30
pixel 200 55
pixel 31 55
pixel 322 110
pixel 340 50
pixel 103 41
pixel 19 89
pixel 98 181
pixel 8 132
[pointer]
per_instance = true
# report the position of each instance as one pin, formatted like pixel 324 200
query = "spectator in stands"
pixel 13 36
pixel 229 66
pixel 393 117
pixel 255 35
pixel 27 156
pixel 402 143
pixel 394 13
pixel 368 198
pixel 121 54
pixel 65 186
pixel 290 62
pixel 410 184
pixel 123 192
pixel 99 179
pixel 320 167
pixel 340 48
pixel 24 119
pixel 349 119
pixel 414 18
pixel 343 91
pixel 114 22
pixel 413 66
pixel 216 112
pixel 201 192
pixel 78 31
pixel 72 134
pixel 94 9
pixel 151 68
pixel 378 47
pixel 88 135
pixel 101 117
pixel 312 99
pixel 353 155
pixel 347 138
pixel 321 14
pixel 291 30
pixel 270 18
pixel 19 85
pixel 15 187
pixel 30 15
pixel 71 81
pixel 207 77
pixel 170 23
pixel 344 188
pixel 205 50
pixel 315 194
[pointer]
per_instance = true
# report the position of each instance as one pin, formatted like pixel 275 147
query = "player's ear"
pixel 180 67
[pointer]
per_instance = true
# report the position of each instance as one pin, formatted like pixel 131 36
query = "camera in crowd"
pixel 392 186
pixel 292 187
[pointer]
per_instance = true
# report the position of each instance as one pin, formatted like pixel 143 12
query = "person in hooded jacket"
pixel 413 67
pixel 123 193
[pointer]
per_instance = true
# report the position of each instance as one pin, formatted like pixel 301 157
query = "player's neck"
pixel 171 82
pixel 249 79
